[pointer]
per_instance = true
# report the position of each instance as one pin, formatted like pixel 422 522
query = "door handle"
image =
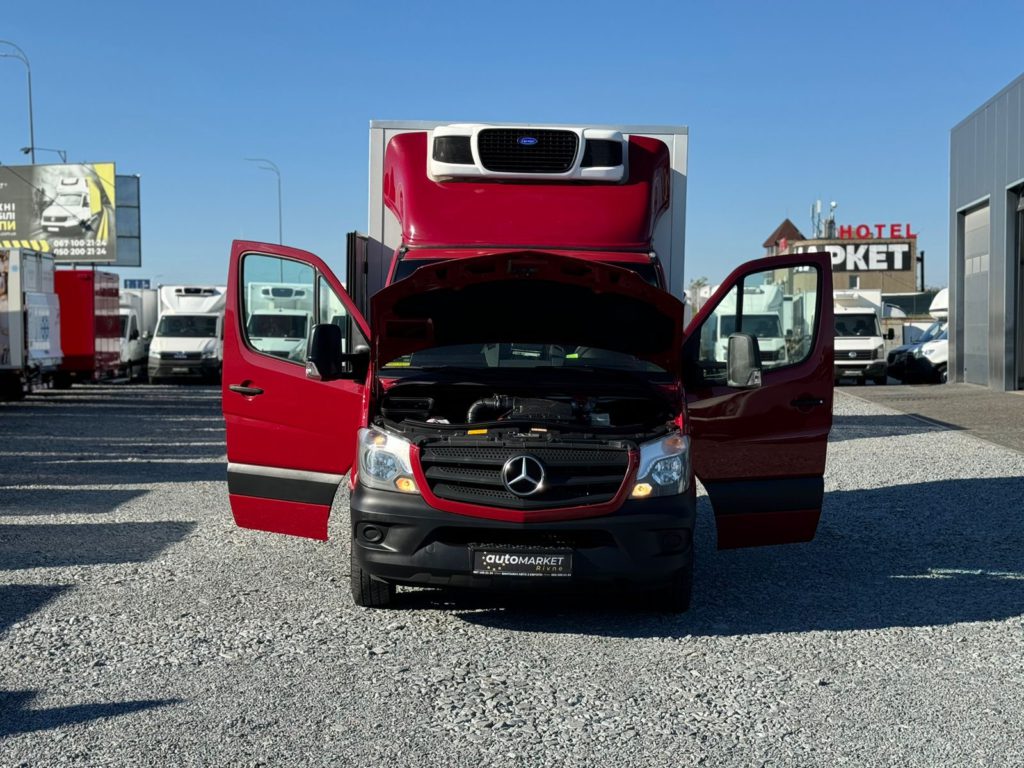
pixel 807 402
pixel 244 390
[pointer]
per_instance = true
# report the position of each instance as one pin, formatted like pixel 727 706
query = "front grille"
pixel 522 150
pixel 856 354
pixel 574 475
pixel 181 355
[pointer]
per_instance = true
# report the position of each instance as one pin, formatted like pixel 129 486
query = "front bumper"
pixel 859 369
pixel 644 542
pixel 921 369
pixel 168 369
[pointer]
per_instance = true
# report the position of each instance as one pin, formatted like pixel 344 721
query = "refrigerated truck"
pixel 189 334
pixel 90 328
pixel 30 343
pixel 138 317
pixel 518 404
pixel 763 310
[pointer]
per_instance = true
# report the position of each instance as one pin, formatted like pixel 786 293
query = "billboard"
pixel 863 255
pixel 68 210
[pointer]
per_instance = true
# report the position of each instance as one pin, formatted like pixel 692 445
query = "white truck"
pixel 30 350
pixel 931 354
pixel 188 342
pixel 279 320
pixel 859 342
pixel 138 316
pixel 762 318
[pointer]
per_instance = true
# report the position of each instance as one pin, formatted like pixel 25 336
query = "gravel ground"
pixel 139 627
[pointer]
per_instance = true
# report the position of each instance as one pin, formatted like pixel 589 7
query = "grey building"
pixel 986 243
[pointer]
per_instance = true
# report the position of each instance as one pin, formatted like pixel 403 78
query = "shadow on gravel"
pixel 15 717
pixel 882 426
pixel 114 471
pixel 927 554
pixel 48 501
pixel 18 601
pixel 46 546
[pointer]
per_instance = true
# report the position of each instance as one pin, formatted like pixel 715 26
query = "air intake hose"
pixel 498 404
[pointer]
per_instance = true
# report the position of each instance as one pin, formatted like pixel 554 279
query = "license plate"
pixel 179 370
pixel 522 562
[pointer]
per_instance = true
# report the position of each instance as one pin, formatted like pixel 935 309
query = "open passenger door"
pixel 290 438
pixel 760 426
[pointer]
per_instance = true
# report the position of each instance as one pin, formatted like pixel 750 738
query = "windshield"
pixel 936 330
pixel 759 326
pixel 278 326
pixel 187 326
pixel 517 355
pixel 646 270
pixel 68 200
pixel 865 324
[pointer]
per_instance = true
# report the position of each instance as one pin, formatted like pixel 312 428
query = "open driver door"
pixel 758 371
pixel 291 436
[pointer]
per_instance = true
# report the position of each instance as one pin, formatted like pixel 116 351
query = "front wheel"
pixel 368 592
pixel 880 381
pixel 942 375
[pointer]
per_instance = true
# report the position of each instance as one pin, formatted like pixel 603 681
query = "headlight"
pixel 209 354
pixel 384 462
pixel 664 467
pixel 880 352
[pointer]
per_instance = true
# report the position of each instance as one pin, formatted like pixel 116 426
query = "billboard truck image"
pixel 68 210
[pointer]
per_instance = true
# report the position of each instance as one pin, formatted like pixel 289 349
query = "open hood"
pixel 529 297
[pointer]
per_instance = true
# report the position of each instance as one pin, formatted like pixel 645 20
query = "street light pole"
pixel 61 153
pixel 270 165
pixel 23 58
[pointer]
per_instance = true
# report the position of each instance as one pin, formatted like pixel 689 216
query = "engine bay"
pixel 461 406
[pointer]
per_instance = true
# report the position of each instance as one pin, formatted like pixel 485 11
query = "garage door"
pixel 976 253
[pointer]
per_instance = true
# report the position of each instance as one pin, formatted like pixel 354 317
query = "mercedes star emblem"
pixel 523 475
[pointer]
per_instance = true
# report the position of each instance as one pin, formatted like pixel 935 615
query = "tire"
pixel 11 388
pixel 675 598
pixel 880 381
pixel 155 380
pixel 942 375
pixel 368 592
pixel 62 381
pixel 861 381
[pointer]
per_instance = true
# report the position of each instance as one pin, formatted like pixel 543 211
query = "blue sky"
pixel 786 103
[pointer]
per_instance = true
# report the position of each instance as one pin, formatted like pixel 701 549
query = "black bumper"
pixel 644 542
pixel 860 369
pixel 172 369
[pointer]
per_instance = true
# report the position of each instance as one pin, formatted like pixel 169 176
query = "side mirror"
pixel 324 362
pixel 134 335
pixel 359 362
pixel 891 334
pixel 743 362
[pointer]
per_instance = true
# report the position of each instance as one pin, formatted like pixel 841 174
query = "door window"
pixel 332 310
pixel 776 306
pixel 278 306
